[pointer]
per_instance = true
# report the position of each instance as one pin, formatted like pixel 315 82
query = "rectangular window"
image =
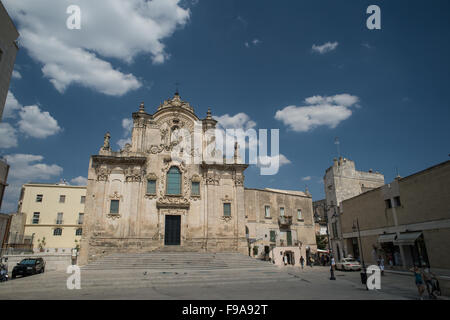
pixel 388 203
pixel 299 214
pixel 272 236
pixel 267 211
pixel 62 199
pixel 36 218
pixel 227 209
pixel 281 212
pixel 39 197
pixel 83 199
pixel 335 231
pixel 195 188
pixel 397 202
pixel 151 186
pixel 80 218
pixel 59 218
pixel 114 207
pixel 57 232
pixel 79 232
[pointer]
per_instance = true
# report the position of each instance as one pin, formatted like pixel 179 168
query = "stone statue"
pixel 106 143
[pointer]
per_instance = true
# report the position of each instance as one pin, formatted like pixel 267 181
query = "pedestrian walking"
pixel 381 264
pixel 302 261
pixel 285 259
pixel 428 279
pixel 419 281
pixel 333 263
pixel 311 261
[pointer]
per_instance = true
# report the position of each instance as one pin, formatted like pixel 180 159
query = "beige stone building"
pixel 342 181
pixel 51 211
pixel 8 52
pixel 407 221
pixel 159 193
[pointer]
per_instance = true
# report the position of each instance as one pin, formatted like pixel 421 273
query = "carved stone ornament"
pixel 113 216
pixel 133 175
pixel 226 218
pixel 239 180
pixel 102 173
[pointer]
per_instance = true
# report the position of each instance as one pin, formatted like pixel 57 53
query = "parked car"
pixel 348 264
pixel 29 266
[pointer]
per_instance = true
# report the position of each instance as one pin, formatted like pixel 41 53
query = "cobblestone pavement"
pixel 273 283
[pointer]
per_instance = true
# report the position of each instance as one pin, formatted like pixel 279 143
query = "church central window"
pixel 174 181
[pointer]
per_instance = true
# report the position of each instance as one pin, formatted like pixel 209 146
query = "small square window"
pixel 39 197
pixel 388 203
pixel 272 236
pixel 36 218
pixel 57 232
pixel 151 186
pixel 281 212
pixel 299 214
pixel 195 190
pixel 267 211
pixel 59 218
pixel 83 199
pixel 227 209
pixel 80 218
pixel 79 232
pixel 114 207
pixel 397 202
pixel 62 199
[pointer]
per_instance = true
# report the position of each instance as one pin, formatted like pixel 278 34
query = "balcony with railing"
pixel 285 221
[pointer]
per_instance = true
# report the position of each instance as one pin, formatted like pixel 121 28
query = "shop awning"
pixel 407 239
pixel 387 237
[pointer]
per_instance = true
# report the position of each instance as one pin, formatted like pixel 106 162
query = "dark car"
pixel 29 266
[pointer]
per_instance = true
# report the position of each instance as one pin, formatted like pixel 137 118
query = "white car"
pixel 348 264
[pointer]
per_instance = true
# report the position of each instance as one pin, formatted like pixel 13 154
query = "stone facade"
pixel 342 181
pixel 4 169
pixel 130 203
pixel 8 52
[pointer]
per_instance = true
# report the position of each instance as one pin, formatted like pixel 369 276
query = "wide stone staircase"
pixel 156 269
pixel 178 261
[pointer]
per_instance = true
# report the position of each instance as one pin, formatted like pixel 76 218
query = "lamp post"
pixel 326 208
pixel 363 272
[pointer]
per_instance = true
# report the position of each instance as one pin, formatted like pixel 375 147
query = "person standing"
pixel 428 278
pixel 311 261
pixel 333 263
pixel 419 281
pixel 302 261
pixel 285 259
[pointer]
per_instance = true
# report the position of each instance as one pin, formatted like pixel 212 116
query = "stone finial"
pixel 236 153
pixel 142 107
pixel 208 114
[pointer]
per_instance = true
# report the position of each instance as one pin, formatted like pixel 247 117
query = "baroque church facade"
pixel 142 198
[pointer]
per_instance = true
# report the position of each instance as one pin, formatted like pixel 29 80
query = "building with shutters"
pixel 162 192
pixel 52 215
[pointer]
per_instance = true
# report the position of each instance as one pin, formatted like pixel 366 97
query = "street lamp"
pixel 363 272
pixel 326 208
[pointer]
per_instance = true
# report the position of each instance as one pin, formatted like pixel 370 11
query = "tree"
pixel 321 241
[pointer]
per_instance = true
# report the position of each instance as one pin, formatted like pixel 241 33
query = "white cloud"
pixel 307 178
pixel 11 106
pixel 127 125
pixel 79 181
pixel 324 48
pixel 238 121
pixel 16 75
pixel 25 168
pixel 109 29
pixel 254 42
pixel 319 111
pixel 36 123
pixel 8 136
pixel 267 160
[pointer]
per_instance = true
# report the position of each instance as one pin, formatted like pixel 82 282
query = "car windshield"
pixel 28 261
pixel 349 260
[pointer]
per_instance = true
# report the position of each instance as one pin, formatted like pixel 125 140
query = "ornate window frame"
pixel 182 173
pixel 196 179
pixel 114 196
pixel 227 200
pixel 151 176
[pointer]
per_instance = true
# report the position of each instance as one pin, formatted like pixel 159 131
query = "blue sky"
pixel 387 89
